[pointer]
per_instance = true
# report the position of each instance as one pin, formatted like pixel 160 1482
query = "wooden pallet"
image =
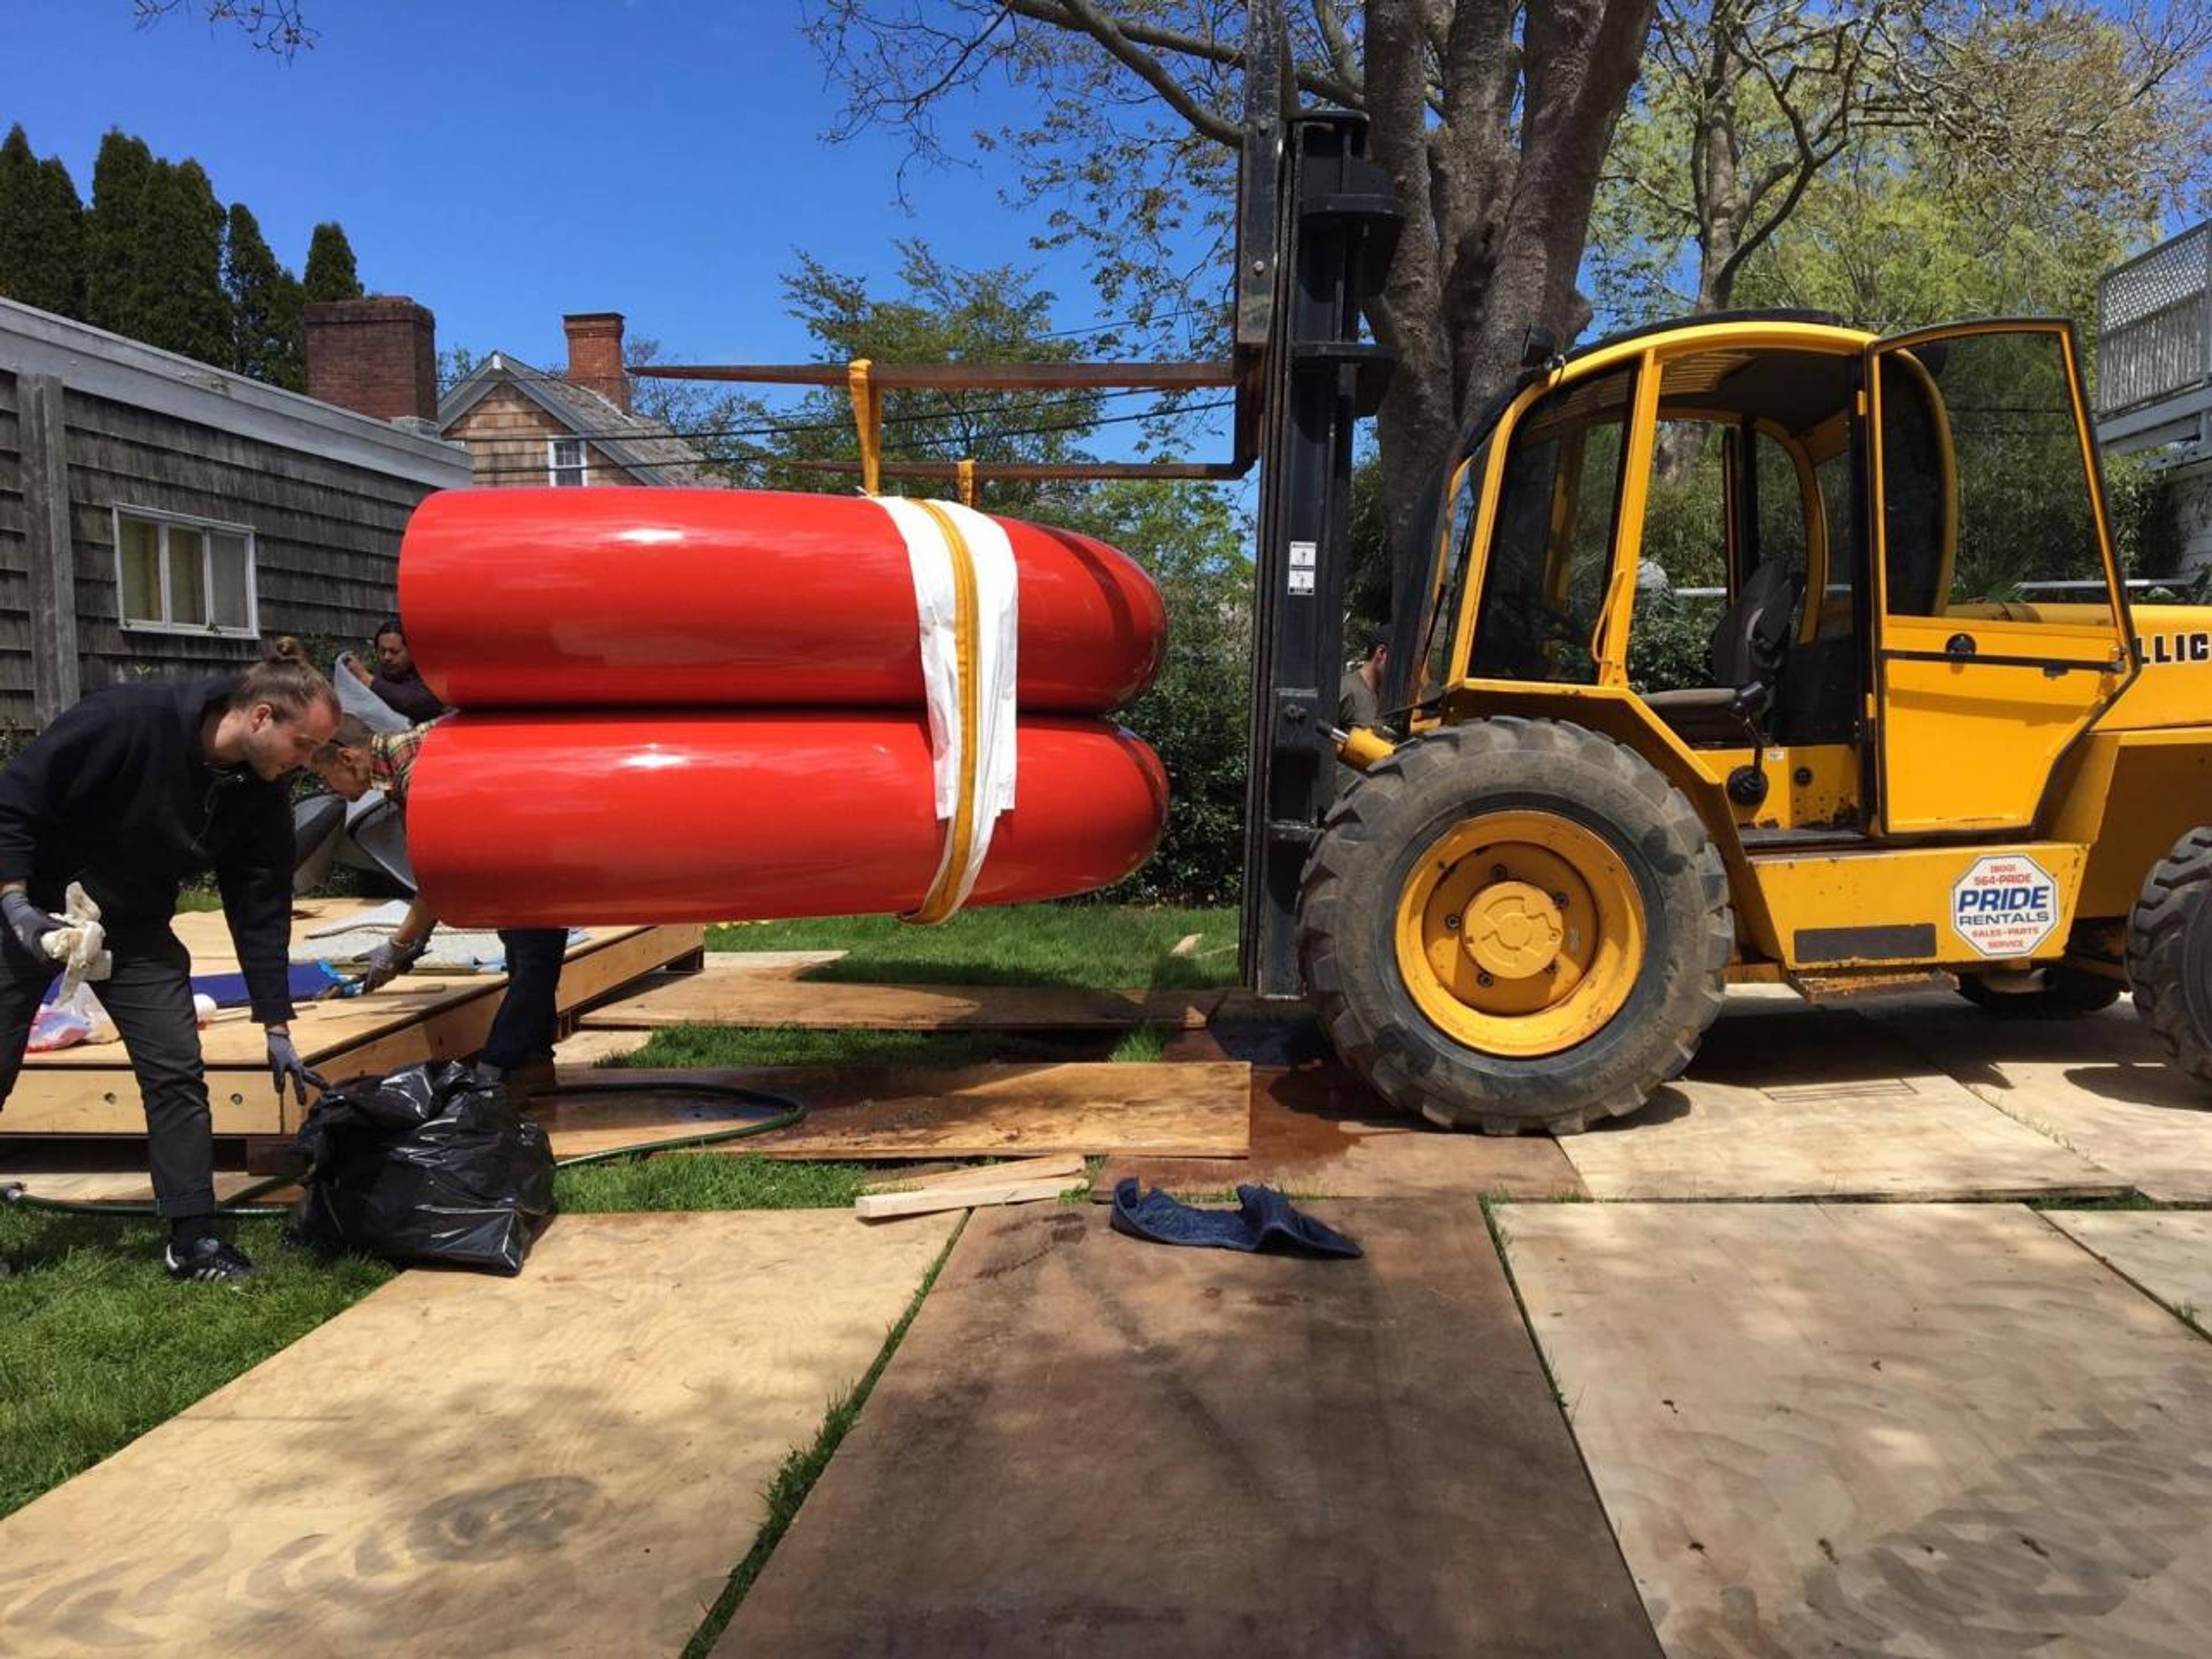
pixel 89 1090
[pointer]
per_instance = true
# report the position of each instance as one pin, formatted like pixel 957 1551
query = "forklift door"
pixel 2002 627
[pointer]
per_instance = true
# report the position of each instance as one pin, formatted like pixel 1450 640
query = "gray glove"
pixel 28 922
pixel 285 1064
pixel 388 961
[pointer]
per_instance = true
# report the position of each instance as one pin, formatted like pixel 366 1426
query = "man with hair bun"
pixel 133 792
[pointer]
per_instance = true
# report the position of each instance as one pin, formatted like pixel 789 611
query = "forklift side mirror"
pixel 1538 346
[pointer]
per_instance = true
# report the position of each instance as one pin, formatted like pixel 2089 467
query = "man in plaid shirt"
pixel 357 760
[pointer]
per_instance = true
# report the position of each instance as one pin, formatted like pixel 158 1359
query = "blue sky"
pixel 504 161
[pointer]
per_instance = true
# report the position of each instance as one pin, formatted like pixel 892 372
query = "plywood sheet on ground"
pixel 2167 1252
pixel 750 999
pixel 976 1111
pixel 770 965
pixel 1933 1430
pixel 1292 1457
pixel 126 1186
pixel 570 1462
pixel 1318 1131
pixel 2099 1085
pixel 1785 1101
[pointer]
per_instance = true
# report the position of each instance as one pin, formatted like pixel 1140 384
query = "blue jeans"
pixel 523 1030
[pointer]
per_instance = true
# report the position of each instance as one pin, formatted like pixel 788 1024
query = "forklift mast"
pixel 1331 223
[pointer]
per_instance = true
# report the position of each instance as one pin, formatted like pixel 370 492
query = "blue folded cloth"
pixel 1264 1220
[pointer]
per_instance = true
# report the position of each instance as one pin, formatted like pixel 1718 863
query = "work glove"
pixel 29 924
pixel 284 1063
pixel 388 961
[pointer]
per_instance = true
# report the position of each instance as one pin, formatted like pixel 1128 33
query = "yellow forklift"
pixel 1935 744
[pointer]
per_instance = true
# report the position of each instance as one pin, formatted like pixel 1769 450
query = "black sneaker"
pixel 208 1260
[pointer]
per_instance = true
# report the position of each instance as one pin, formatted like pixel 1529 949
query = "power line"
pixel 545 468
pixel 787 428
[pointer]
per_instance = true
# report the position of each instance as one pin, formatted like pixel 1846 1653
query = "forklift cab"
pixel 1911 602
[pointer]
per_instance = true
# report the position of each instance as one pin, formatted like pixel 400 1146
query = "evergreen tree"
pixel 268 329
pixel 42 230
pixel 114 295
pixel 330 274
pixel 183 308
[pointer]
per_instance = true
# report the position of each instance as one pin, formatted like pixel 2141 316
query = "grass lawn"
pixel 97 1347
pixel 1101 947
pixel 738 1048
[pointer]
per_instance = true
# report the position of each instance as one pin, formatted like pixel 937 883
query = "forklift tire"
pixel 2170 953
pixel 2065 993
pixel 1414 868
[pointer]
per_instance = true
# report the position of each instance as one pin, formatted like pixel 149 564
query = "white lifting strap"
pixel 967 605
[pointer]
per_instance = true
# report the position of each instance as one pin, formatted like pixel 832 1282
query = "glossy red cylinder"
pixel 546 819
pixel 735 598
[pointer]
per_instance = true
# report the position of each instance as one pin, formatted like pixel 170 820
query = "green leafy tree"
pixel 941 313
pixel 178 268
pixel 42 230
pixel 268 326
pixel 330 274
pixel 455 364
pixel 1193 541
pixel 2031 118
pixel 114 280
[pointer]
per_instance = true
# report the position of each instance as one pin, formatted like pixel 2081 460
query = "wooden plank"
pixel 573 1462
pixel 934 1199
pixel 1829 1429
pixel 745 998
pixel 979 1111
pixel 89 1090
pixel 1306 1457
pixel 774 965
pixel 2166 1253
pixel 1789 1101
pixel 127 1185
pixel 53 603
pixel 2100 1085
pixel 1012 1168
pixel 1318 1131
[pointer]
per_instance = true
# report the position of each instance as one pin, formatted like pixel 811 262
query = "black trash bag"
pixel 426 1166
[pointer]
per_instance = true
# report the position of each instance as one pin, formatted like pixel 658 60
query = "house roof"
pixel 644 448
pixel 95 363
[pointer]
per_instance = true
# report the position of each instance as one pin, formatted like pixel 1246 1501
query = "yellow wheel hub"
pixel 1519 933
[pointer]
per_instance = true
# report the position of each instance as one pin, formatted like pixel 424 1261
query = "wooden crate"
pixel 89 1090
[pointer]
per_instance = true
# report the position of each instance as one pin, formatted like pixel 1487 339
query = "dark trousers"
pixel 523 1030
pixel 149 997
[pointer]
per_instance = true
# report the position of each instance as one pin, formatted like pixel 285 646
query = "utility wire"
pixel 545 468
pixel 787 428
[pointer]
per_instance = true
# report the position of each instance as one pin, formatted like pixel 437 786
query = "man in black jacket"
pixel 133 792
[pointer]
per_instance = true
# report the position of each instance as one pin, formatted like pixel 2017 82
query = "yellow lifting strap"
pixel 966 473
pixel 938 904
pixel 868 422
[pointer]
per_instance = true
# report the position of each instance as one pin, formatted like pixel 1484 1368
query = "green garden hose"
pixel 239 1204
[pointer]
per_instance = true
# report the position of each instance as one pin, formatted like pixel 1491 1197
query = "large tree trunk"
pixel 1495 230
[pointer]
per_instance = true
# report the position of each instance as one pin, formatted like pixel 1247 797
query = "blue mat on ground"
pixel 228 990
pixel 1264 1220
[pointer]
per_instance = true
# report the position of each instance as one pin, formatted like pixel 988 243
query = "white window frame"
pixel 555 467
pixel 209 529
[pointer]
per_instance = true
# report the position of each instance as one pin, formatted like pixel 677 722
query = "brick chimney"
pixel 378 356
pixel 595 355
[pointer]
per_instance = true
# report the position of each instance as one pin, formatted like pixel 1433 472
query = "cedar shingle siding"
pixel 325 492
